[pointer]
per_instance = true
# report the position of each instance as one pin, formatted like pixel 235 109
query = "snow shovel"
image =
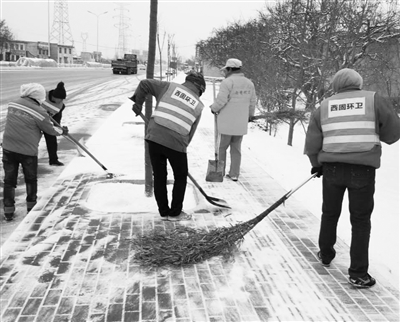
pixel 82 147
pixel 215 170
pixel 215 201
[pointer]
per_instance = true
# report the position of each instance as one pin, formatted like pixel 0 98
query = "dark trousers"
pixel 52 146
pixel 11 162
pixel 159 155
pixel 51 141
pixel 359 180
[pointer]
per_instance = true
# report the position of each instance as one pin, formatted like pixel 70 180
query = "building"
pixel 87 56
pixel 141 55
pixel 15 49
pixel 65 54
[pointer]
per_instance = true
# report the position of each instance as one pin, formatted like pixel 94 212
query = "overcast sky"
pixel 186 22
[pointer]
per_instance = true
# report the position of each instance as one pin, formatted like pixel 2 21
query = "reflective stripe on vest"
pixel 177 109
pixel 348 122
pixel 26 109
pixel 52 107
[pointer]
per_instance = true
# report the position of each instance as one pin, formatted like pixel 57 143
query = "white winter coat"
pixel 235 103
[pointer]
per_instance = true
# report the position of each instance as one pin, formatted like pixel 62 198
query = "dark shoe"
pixel 181 216
pixel 233 178
pixel 9 216
pixel 57 163
pixel 323 263
pixel 365 282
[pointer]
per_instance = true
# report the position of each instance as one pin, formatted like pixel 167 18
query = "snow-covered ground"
pixel 289 167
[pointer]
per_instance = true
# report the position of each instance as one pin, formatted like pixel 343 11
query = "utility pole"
pixel 168 56
pixel 151 57
pixel 48 25
pixel 97 17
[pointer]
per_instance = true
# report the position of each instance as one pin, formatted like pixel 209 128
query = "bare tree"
pixel 160 48
pixel 315 38
pixel 5 36
pixel 381 71
pixel 293 49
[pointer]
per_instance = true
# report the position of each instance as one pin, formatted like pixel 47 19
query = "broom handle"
pixel 300 185
pixel 68 136
pixel 281 200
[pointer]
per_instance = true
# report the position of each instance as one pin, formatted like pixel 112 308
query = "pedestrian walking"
pixel 343 143
pixel 235 107
pixel 54 105
pixel 170 130
pixel 26 119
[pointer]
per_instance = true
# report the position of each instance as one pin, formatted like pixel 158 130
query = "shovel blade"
pixel 218 202
pixel 215 171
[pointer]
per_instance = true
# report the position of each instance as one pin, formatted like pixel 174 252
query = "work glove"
pixel 317 170
pixel 137 109
pixel 64 130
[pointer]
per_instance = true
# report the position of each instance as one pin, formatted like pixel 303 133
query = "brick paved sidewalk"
pixel 70 262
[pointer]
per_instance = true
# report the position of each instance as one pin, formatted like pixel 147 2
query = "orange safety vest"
pixel 178 109
pixel 348 122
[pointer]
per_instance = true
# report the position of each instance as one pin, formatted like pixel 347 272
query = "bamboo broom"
pixel 183 245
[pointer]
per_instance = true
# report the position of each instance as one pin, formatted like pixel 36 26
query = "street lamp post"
pixel 97 16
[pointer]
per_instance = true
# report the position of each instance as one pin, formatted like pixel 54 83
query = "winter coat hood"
pixel 346 79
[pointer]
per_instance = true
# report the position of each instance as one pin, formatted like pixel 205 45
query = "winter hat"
pixel 232 63
pixel 59 92
pixel 346 77
pixel 197 79
pixel 33 90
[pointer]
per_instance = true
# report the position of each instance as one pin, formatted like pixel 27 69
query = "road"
pixel 12 79
pixel 77 81
pixel 92 95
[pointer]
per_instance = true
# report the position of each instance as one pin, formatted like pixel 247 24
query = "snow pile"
pixel 95 64
pixel 36 62
pixel 7 63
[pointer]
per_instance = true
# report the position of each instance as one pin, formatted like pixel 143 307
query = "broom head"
pixel 215 171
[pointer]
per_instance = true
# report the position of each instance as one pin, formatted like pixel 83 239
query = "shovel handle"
pixel 80 145
pixel 215 126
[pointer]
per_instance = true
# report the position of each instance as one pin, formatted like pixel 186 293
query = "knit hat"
pixel 197 79
pixel 33 90
pixel 59 92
